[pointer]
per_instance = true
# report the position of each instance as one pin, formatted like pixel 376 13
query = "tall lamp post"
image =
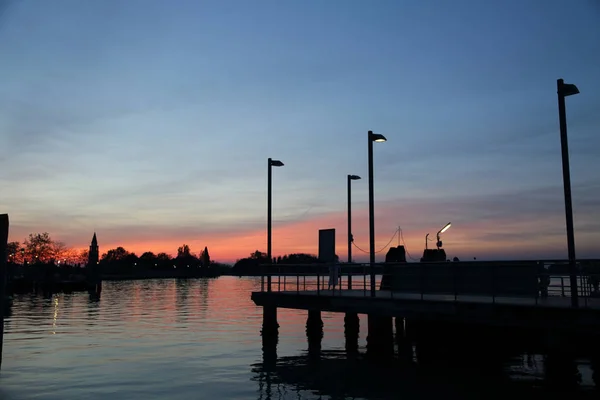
pixel 271 163
pixel 566 89
pixel 372 137
pixel 350 179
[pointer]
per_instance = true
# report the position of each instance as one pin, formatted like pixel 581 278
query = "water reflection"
pixel 268 365
pixel 203 295
pixel 437 369
pixel 55 317
pixel 182 291
pixel 197 338
pixel 94 296
pixel 335 375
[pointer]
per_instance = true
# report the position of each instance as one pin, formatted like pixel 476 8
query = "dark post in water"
pixel 564 90
pixel 3 266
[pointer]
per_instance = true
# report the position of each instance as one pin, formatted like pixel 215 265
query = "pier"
pixel 442 304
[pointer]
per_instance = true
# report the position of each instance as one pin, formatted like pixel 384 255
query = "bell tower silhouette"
pixel 94 253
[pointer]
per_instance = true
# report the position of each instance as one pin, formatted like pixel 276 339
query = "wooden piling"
pixel 270 327
pixel 351 331
pixel 351 322
pixel 3 267
pixel 380 337
pixel 314 332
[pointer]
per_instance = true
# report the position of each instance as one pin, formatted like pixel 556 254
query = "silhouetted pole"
pixel 350 179
pixel 563 91
pixel 269 207
pixel 372 137
pixel 349 225
pixel 3 267
pixel 271 163
pixel 371 219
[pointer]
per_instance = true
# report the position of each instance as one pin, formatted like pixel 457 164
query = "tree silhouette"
pixel 148 259
pixel 163 257
pixel 258 255
pixel 12 250
pixel 205 257
pixel 183 251
pixel 113 255
pixel 39 247
pixel 83 257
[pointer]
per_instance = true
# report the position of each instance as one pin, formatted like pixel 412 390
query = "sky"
pixel 150 123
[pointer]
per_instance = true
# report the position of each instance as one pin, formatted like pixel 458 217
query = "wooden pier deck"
pixel 513 302
pixel 334 297
pixel 549 313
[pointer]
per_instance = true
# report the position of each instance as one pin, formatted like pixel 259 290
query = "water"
pixel 196 339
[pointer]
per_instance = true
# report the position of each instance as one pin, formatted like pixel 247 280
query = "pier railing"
pixel 537 281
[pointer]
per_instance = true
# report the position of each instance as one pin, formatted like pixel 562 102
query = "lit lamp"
pixel 350 179
pixel 271 163
pixel 563 90
pixel 373 137
pixel 444 229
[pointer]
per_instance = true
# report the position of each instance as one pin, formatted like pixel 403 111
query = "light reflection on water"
pixel 177 339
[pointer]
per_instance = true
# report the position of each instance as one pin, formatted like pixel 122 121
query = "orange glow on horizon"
pixel 465 240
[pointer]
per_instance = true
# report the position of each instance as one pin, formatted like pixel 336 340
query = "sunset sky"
pixel 150 122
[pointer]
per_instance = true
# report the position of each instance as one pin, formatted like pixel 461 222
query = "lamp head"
pixel 377 137
pixel 566 89
pixel 445 228
pixel 353 177
pixel 275 163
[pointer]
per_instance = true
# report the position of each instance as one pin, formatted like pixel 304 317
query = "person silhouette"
pixel 333 276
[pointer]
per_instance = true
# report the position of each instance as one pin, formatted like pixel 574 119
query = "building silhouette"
pixel 94 253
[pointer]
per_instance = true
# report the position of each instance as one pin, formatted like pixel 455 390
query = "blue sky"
pixel 150 122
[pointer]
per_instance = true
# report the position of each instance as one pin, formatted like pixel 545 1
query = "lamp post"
pixel 271 163
pixel 565 89
pixel 350 179
pixel 372 137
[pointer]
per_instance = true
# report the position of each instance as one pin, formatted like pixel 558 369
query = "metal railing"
pixel 542 282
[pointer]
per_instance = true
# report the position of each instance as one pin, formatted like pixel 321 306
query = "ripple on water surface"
pixel 182 339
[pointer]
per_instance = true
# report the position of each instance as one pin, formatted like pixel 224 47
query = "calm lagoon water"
pixel 200 339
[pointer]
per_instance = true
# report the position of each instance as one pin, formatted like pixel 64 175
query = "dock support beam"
pixel 351 331
pixel 405 350
pixel 314 332
pixel 270 327
pixel 380 339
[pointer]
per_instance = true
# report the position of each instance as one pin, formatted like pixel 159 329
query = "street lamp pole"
pixel 270 164
pixel 372 137
pixel 350 179
pixel 564 90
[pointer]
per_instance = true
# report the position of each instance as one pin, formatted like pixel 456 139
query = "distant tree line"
pixel 121 261
pixel 40 248
pixel 254 264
